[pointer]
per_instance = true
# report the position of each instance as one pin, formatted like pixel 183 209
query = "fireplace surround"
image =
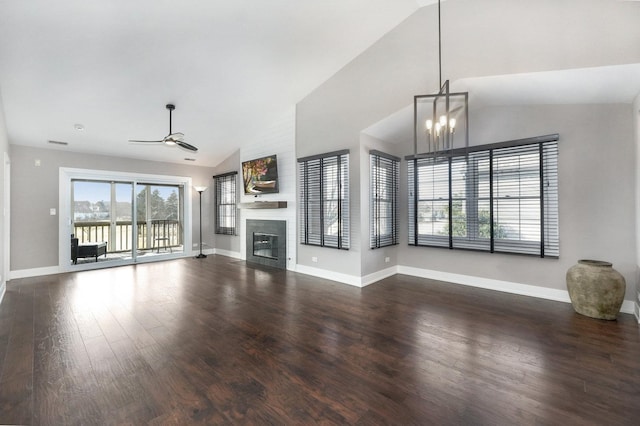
pixel 267 242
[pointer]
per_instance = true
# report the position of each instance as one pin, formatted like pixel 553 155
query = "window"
pixel 226 203
pixel 324 200
pixel 497 198
pixel 383 199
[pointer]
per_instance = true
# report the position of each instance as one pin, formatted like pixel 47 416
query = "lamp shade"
pixel 200 188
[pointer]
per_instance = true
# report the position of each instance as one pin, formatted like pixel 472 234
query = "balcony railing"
pixel 165 233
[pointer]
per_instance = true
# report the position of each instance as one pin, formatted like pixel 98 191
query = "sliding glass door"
pixel 123 221
pixel 159 216
pixel 102 226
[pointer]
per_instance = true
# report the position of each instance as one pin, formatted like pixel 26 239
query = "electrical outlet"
pixel 314 259
pixel 387 259
pixel 195 245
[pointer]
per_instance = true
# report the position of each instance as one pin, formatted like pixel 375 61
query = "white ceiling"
pixel 232 67
pixel 600 85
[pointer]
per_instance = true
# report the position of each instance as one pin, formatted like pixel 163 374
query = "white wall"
pixel 279 139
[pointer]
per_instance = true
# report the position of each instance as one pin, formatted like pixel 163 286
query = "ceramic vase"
pixel 596 289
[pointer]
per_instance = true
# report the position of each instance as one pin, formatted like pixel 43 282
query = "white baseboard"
pixel 50 270
pixel 504 286
pixel 330 275
pixel 346 278
pixel 488 283
pixel 3 290
pixel 194 253
pixel 34 272
pixel 378 275
pixel 238 255
pixel 628 306
pixel 233 254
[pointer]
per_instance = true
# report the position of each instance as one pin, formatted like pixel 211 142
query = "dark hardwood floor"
pixel 215 341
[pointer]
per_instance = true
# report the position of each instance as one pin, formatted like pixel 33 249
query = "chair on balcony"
pixel 161 234
pixel 89 249
pixel 74 249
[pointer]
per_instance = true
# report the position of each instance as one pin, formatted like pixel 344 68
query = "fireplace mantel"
pixel 264 205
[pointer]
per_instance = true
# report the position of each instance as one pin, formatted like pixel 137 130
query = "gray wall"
pixel 596 194
pixel 373 260
pixel 34 190
pixel 636 129
pixel 4 148
pixel 229 243
pixel 341 261
pixel 385 77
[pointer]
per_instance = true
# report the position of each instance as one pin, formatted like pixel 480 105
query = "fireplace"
pixel 267 242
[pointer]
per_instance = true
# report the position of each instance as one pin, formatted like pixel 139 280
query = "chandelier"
pixel 438 117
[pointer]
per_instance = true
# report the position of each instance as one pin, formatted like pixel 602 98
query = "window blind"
pixel 383 199
pixel 497 198
pixel 324 200
pixel 226 200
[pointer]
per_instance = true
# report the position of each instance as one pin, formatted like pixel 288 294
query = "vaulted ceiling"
pixel 597 85
pixel 231 67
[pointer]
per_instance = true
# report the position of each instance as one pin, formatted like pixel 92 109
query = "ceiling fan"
pixel 172 138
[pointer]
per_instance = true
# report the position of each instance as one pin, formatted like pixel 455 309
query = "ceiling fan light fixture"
pixel 171 139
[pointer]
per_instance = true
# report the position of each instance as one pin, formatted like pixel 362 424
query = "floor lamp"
pixel 200 190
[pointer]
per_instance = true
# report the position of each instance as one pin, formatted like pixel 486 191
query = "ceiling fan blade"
pixel 174 137
pixel 137 141
pixel 185 145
